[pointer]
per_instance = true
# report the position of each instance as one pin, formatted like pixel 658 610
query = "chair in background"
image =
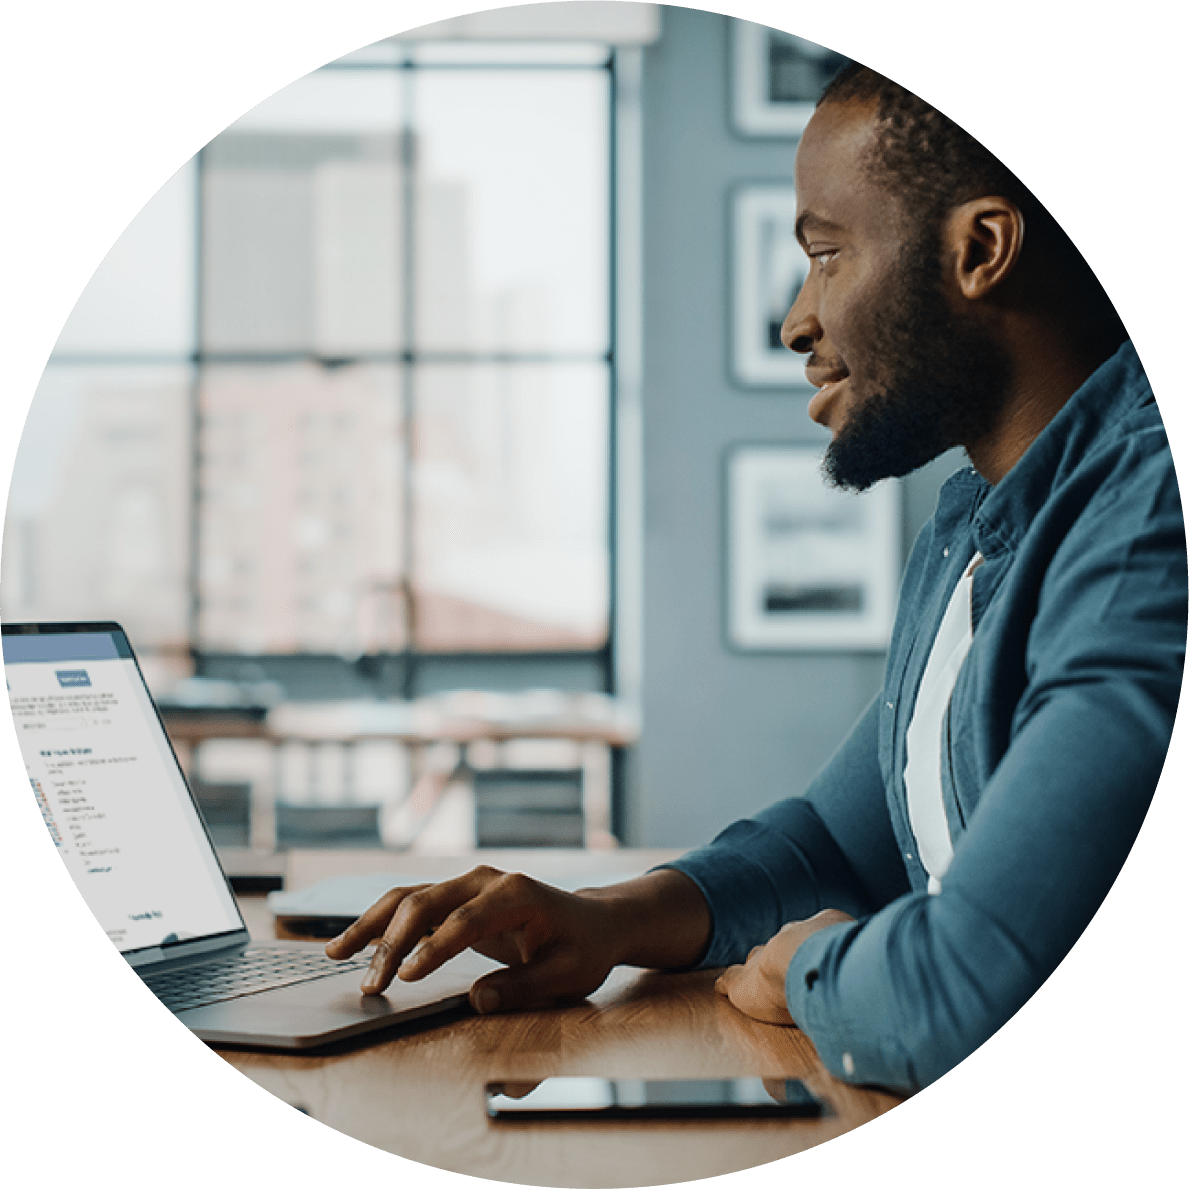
pixel 227 808
pixel 327 825
pixel 533 807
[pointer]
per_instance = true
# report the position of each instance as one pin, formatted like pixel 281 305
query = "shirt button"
pixel 848 1064
pixel 945 552
pixel 889 705
pixel 907 857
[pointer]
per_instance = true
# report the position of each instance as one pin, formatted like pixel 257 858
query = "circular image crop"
pixel 593 595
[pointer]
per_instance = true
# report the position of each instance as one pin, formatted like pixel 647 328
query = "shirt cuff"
pixel 805 971
pixel 758 875
pixel 850 1046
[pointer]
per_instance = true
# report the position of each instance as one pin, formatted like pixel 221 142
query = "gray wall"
pixel 725 733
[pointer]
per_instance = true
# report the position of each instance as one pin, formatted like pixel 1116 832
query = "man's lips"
pixel 827 384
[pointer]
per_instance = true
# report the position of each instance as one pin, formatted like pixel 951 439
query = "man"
pixel 945 860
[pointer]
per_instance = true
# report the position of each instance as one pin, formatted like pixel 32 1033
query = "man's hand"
pixel 757 987
pixel 556 945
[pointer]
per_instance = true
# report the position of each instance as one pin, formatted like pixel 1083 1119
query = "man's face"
pixel 901 375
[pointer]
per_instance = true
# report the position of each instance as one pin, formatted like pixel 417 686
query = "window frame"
pixel 411 671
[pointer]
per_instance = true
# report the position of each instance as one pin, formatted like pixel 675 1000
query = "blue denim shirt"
pixel 1052 747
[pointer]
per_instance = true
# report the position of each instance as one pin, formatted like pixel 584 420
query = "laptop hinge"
pixel 172 951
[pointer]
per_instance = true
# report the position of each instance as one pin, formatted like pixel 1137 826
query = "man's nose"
pixel 801 328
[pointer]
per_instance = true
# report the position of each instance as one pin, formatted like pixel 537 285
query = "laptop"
pixel 126 825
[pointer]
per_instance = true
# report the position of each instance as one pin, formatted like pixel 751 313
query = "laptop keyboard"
pixel 250 971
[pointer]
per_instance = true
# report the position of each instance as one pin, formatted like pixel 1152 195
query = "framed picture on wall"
pixel 777 79
pixel 768 270
pixel 809 567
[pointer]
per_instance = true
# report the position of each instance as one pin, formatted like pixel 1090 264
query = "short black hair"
pixel 932 162
pixel 933 165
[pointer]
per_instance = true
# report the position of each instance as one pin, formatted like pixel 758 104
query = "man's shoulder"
pixel 1107 446
pixel 1113 422
pixel 1131 463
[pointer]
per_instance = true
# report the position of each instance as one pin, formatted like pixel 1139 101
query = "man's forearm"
pixel 661 919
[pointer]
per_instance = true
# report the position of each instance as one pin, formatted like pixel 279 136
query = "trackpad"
pixel 329 1008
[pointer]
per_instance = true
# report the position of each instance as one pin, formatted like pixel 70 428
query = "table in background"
pixel 595 724
pixel 419 1093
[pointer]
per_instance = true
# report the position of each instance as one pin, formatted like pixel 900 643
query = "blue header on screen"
pixel 64 646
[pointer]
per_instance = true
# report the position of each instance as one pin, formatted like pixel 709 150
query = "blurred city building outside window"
pixel 343 386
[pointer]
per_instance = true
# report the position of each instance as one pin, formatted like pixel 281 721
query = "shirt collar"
pixel 1113 390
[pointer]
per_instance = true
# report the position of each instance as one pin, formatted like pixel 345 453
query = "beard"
pixel 947 380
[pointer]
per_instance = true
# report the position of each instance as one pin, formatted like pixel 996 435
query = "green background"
pixel 104 101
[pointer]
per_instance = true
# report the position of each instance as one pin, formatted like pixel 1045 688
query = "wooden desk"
pixel 419 1094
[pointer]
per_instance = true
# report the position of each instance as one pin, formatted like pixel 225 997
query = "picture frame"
pixel 768 270
pixel 776 80
pixel 809 567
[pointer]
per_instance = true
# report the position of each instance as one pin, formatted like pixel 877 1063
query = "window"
pixel 344 386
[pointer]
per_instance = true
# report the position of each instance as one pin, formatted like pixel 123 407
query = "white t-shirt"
pixel 922 771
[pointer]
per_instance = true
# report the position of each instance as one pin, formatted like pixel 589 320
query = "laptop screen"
pixel 110 790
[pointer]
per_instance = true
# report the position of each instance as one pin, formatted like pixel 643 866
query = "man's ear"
pixel 985 237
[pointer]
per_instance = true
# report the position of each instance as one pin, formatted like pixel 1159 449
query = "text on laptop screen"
pixel 110 790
